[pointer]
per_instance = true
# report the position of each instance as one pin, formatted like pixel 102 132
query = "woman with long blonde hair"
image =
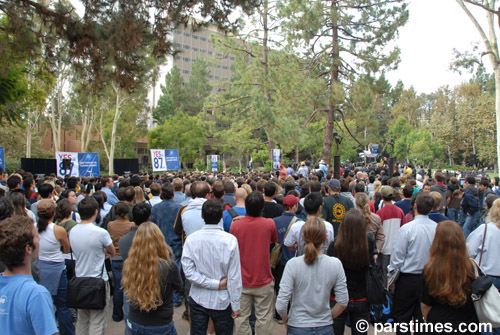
pixel 139 195
pixel 150 277
pixel 307 282
pixel 446 284
pixel 373 221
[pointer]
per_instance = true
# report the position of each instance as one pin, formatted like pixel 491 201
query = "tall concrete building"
pixel 191 45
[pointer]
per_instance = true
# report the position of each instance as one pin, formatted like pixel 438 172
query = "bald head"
pixel 239 196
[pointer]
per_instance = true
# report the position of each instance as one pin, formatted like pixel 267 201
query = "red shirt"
pixel 254 235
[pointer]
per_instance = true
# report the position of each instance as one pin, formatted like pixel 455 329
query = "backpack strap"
pixel 288 229
pixel 232 212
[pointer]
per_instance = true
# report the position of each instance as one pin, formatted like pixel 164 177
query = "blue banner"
pixel 214 162
pixel 172 159
pixel 276 159
pixel 2 158
pixel 88 164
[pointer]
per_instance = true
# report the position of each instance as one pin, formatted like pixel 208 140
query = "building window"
pixel 203 39
pixel 186 71
pixel 195 37
pixel 219 54
pixel 177 31
pixel 177 45
pixel 196 49
pixel 225 68
pixel 177 57
pixel 210 52
pixel 231 57
pixel 203 51
pixel 186 59
pixel 187 34
pixel 187 47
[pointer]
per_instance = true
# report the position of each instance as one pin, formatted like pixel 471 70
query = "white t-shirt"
pixel 294 236
pixel 88 242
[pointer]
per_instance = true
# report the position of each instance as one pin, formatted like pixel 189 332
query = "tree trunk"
pixel 497 111
pixel 334 78
pixel 297 159
pixel 28 138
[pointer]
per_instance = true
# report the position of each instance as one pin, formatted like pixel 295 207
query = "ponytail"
pixel 42 224
pixel 314 234
pixel 310 253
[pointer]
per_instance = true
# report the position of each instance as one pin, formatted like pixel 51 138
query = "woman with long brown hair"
pixel 307 282
pixel 447 278
pixel 354 247
pixel 149 278
pixel 373 221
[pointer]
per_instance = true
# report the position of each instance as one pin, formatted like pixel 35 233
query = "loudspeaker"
pixel 66 164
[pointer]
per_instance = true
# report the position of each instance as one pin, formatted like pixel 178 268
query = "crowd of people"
pixel 243 251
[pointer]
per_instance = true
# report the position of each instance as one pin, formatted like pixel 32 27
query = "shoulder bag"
pixel 277 252
pixel 87 292
pixel 485 295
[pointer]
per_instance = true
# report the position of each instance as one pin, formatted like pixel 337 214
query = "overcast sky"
pixel 435 27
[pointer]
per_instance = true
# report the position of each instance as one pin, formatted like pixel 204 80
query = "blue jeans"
pixel 471 223
pixel 177 295
pixel 137 329
pixel 63 314
pixel 116 268
pixel 223 321
pixel 325 330
pixel 453 214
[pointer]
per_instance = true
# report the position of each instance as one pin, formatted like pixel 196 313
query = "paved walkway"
pixel 117 328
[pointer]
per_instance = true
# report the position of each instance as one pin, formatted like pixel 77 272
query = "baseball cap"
pixel 290 200
pixel 333 184
pixel 386 191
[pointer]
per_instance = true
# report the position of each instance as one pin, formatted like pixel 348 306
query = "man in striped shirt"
pixel 211 261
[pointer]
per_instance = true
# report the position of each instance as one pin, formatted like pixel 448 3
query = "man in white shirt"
pixel 211 261
pixel 155 192
pixel 313 204
pixel 88 243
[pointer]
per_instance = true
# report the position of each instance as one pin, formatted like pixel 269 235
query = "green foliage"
pixel 198 88
pixel 115 32
pixel 400 131
pixel 182 132
pixel 172 98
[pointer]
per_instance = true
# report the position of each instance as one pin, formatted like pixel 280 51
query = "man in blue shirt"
pixel 404 203
pixel 164 214
pixel 107 185
pixel 239 209
pixel 25 306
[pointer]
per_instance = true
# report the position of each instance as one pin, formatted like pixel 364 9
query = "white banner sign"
pixel 73 167
pixel 158 160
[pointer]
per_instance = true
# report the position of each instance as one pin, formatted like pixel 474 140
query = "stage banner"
pixel 88 164
pixel 72 169
pixel 276 158
pixel 214 162
pixel 172 158
pixel 2 158
pixel 165 160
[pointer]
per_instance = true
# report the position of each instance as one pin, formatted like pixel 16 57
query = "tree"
pixel 490 43
pixel 409 107
pixel 172 98
pixel 198 88
pixel 180 131
pixel 341 39
pixel 116 29
pixel 400 131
